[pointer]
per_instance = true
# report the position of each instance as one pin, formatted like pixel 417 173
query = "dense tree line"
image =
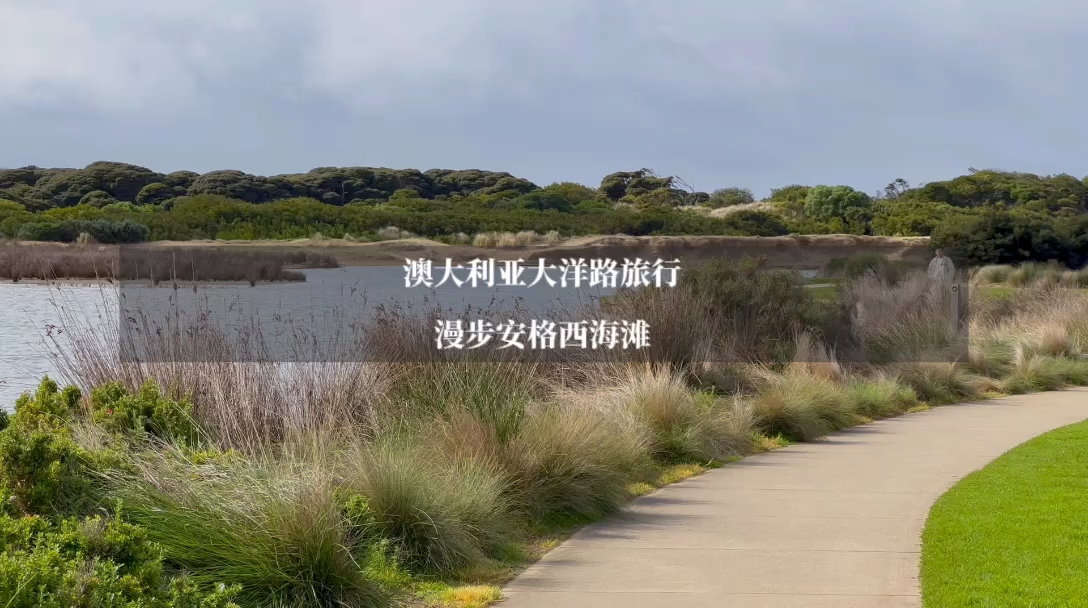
pixel 213 216
pixel 103 183
pixel 983 216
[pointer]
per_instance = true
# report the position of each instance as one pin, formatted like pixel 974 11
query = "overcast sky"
pixel 719 92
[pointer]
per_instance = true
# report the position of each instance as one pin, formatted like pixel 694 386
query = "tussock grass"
pixel 441 516
pixel 990 358
pixel 996 274
pixel 814 359
pixel 938 381
pixel 1031 274
pixel 1033 372
pixel 283 538
pixel 572 465
pixel 909 320
pixel 680 424
pixel 496 393
pixel 801 407
pixel 880 396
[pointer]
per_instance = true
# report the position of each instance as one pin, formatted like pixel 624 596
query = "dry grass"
pixel 801 407
pixel 1050 321
pixel 244 396
pixel 510 240
pixel 679 424
pixel 464 596
pixel 1031 275
pixel 85 260
pixel 392 233
pixel 761 206
pixel 814 359
pixel 911 320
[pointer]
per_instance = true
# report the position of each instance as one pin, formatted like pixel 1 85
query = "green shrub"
pixel 42 470
pixel 92 563
pixel 360 516
pixel 828 202
pixel 795 194
pixel 727 197
pixel 103 231
pixel 147 412
pixel 755 223
pixel 1014 236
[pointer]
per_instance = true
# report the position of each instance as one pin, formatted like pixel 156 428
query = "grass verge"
pixel 1013 533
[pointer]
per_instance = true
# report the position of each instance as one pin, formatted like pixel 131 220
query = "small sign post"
pixel 955 309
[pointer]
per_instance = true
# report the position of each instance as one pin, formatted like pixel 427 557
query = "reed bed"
pixel 52 261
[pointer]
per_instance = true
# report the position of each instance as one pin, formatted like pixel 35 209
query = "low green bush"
pixel 102 230
pixel 146 413
pixel 92 563
pixel 42 469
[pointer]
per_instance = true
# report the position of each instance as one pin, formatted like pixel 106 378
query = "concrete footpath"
pixel 835 523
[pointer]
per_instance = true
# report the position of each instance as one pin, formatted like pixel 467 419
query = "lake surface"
pixel 33 316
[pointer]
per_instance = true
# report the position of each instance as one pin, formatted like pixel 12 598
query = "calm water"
pixel 27 312
pixel 31 315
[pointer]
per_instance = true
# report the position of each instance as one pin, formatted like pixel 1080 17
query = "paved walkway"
pixel 835 523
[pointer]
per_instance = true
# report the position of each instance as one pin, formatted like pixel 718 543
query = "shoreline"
pixel 809 252
pixel 799 252
pixel 126 282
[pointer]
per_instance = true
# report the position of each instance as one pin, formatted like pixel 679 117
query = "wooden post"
pixel 955 309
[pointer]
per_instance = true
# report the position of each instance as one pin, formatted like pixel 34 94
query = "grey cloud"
pixel 751 94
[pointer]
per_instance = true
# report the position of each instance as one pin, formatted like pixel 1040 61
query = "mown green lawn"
pixel 1014 533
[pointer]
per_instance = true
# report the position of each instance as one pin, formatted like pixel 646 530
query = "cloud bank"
pixel 751 94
